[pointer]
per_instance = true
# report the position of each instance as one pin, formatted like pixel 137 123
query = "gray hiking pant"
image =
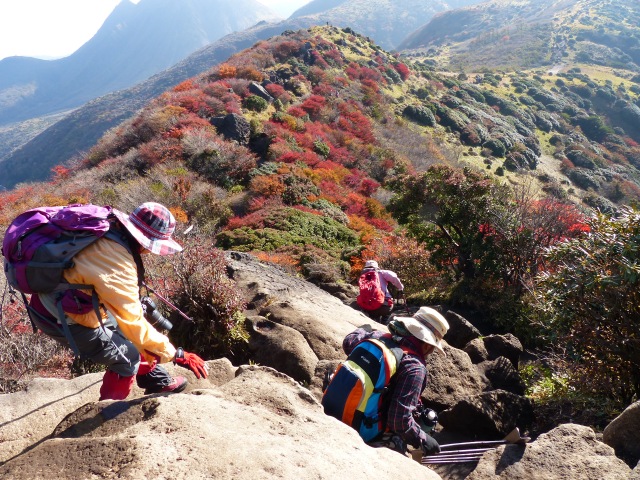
pixel 105 346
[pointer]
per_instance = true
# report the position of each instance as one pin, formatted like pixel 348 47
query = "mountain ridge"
pixel 118 55
pixel 528 34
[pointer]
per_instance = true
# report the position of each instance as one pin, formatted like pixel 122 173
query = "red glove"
pixel 191 361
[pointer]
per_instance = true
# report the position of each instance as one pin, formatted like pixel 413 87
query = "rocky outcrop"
pixel 321 319
pixel 502 375
pixel 259 90
pixel 233 127
pixel 489 415
pixel 452 378
pixel 492 347
pixel 568 451
pixel 282 348
pixel 461 331
pixel 263 422
pixel 623 434
pixel 260 424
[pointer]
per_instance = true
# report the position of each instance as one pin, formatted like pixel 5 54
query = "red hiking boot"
pixel 177 385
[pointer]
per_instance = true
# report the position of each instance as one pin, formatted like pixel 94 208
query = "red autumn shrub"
pixel 380 224
pixel 334 57
pixel 160 150
pixel 368 187
pixel 278 92
pixel 313 106
pixel 285 49
pixel 317 60
pixel 403 70
pixel 297 111
pixel 188 84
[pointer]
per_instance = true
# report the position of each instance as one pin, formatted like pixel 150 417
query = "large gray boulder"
pixel 623 434
pixel 261 424
pixel 506 345
pixel 28 416
pixel 321 319
pixel 282 348
pixel 490 415
pixel 476 350
pixel 233 127
pixel 495 346
pixel 259 90
pixel 461 331
pixel 452 378
pixel 566 452
pixel 502 375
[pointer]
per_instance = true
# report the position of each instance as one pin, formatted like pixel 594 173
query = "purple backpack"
pixel 39 246
pixel 41 243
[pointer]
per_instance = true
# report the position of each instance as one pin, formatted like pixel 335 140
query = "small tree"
pixel 444 208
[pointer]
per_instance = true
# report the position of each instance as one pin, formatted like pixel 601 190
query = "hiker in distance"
pixel 418 336
pixel 123 340
pixel 374 297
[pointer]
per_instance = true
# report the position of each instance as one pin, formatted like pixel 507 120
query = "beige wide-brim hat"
pixel 371 264
pixel 428 326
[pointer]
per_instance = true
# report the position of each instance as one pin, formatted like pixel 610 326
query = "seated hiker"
pixel 124 341
pixel 374 297
pixel 418 336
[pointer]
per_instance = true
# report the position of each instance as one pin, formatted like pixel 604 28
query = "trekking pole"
pixel 449 460
pixel 452 453
pixel 512 437
pixel 167 302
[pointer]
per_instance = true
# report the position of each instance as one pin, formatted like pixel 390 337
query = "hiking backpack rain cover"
pixel 356 393
pixel 40 244
pixel 371 296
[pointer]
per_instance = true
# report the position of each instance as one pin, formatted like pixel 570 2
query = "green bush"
pixel 590 302
pixel 255 103
pixel 496 146
pixel 419 114
pixel 321 148
pixel 289 226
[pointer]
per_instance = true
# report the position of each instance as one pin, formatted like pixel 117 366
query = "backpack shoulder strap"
pixel 118 234
pixel 398 351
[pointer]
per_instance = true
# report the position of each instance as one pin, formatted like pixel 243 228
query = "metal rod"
pixel 462 452
pixel 465 458
pixel 457 459
pixel 479 443
pixel 457 455
pixel 454 460
pixel 512 437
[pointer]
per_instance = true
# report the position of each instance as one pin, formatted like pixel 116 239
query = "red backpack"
pixel 371 296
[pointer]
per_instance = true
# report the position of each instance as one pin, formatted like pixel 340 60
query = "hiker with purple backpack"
pixel 90 299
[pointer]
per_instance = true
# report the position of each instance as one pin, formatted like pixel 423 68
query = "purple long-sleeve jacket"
pixel 410 381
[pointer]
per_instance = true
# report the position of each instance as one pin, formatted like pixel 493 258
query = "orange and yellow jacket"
pixel 111 269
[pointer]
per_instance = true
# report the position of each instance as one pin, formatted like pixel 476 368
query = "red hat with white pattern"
pixel 152 225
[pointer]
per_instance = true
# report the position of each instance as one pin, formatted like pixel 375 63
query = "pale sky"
pixel 57 28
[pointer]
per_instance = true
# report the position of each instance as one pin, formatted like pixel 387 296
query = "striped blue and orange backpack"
pixel 356 393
